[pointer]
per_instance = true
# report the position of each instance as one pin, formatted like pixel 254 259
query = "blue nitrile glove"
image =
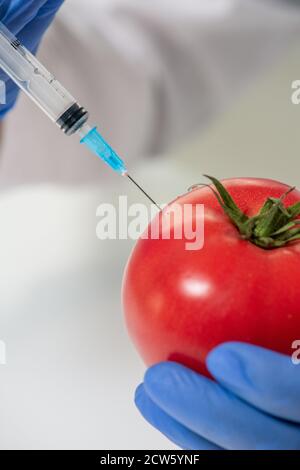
pixel 255 403
pixel 28 20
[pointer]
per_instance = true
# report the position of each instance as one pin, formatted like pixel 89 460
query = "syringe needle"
pixel 143 191
pixel 95 142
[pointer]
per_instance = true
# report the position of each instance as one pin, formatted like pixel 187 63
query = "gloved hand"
pixel 254 403
pixel 28 20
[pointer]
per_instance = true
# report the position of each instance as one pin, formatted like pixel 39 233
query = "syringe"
pixel 52 98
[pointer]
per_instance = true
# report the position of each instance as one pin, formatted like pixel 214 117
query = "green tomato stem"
pixel 273 227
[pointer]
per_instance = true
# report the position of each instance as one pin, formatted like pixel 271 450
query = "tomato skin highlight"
pixel 180 304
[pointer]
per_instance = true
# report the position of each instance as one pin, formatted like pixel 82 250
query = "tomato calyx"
pixel 273 227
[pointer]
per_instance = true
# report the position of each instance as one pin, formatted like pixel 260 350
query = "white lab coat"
pixel 151 74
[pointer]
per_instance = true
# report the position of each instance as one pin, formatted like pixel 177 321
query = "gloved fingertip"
pixel 180 435
pixel 161 376
pixel 138 394
pixel 224 361
pixel 143 403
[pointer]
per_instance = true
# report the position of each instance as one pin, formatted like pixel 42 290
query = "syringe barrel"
pixel 39 84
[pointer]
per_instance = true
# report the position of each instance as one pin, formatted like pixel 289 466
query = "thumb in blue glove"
pixel 28 19
pixel 254 403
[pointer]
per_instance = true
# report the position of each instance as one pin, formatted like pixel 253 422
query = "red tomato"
pixel 180 304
